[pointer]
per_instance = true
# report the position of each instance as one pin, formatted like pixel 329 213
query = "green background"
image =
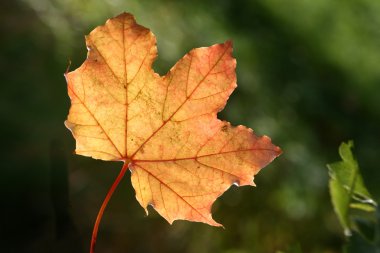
pixel 308 77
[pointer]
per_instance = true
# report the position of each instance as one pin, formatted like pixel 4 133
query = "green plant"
pixel 357 211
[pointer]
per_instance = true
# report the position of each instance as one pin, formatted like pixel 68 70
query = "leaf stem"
pixel 104 205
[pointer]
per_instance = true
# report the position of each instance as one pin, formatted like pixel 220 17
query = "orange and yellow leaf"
pixel 165 129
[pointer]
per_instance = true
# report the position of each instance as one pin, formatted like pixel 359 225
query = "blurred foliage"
pixel 357 211
pixel 308 76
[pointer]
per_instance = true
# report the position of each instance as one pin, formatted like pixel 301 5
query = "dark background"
pixel 308 76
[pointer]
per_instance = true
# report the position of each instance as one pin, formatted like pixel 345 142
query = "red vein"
pixel 138 181
pixel 97 122
pixel 111 35
pixel 104 205
pixel 183 145
pixel 88 136
pixel 188 74
pixel 84 125
pixel 108 66
pixel 195 157
pixel 137 72
pixel 163 201
pixel 187 98
pixel 171 189
pixel 126 83
pixel 95 151
pixel 166 94
pixel 210 138
pixel 216 168
pixel 230 139
pixel 183 167
pixel 146 55
pixel 201 195
pixel 112 72
pixel 126 92
pixel 223 91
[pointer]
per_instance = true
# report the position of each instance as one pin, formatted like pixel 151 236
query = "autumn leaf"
pixel 164 129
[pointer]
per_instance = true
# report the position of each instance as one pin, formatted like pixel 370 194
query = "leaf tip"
pixel 146 210
pixel 276 149
pixel 69 126
pixel 229 43
pixel 68 68
pixel 215 224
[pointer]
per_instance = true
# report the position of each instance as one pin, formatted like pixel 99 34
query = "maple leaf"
pixel 164 129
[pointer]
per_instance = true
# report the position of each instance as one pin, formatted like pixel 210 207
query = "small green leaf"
pixel 363 207
pixel 348 174
pixel 347 188
pixel 340 200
